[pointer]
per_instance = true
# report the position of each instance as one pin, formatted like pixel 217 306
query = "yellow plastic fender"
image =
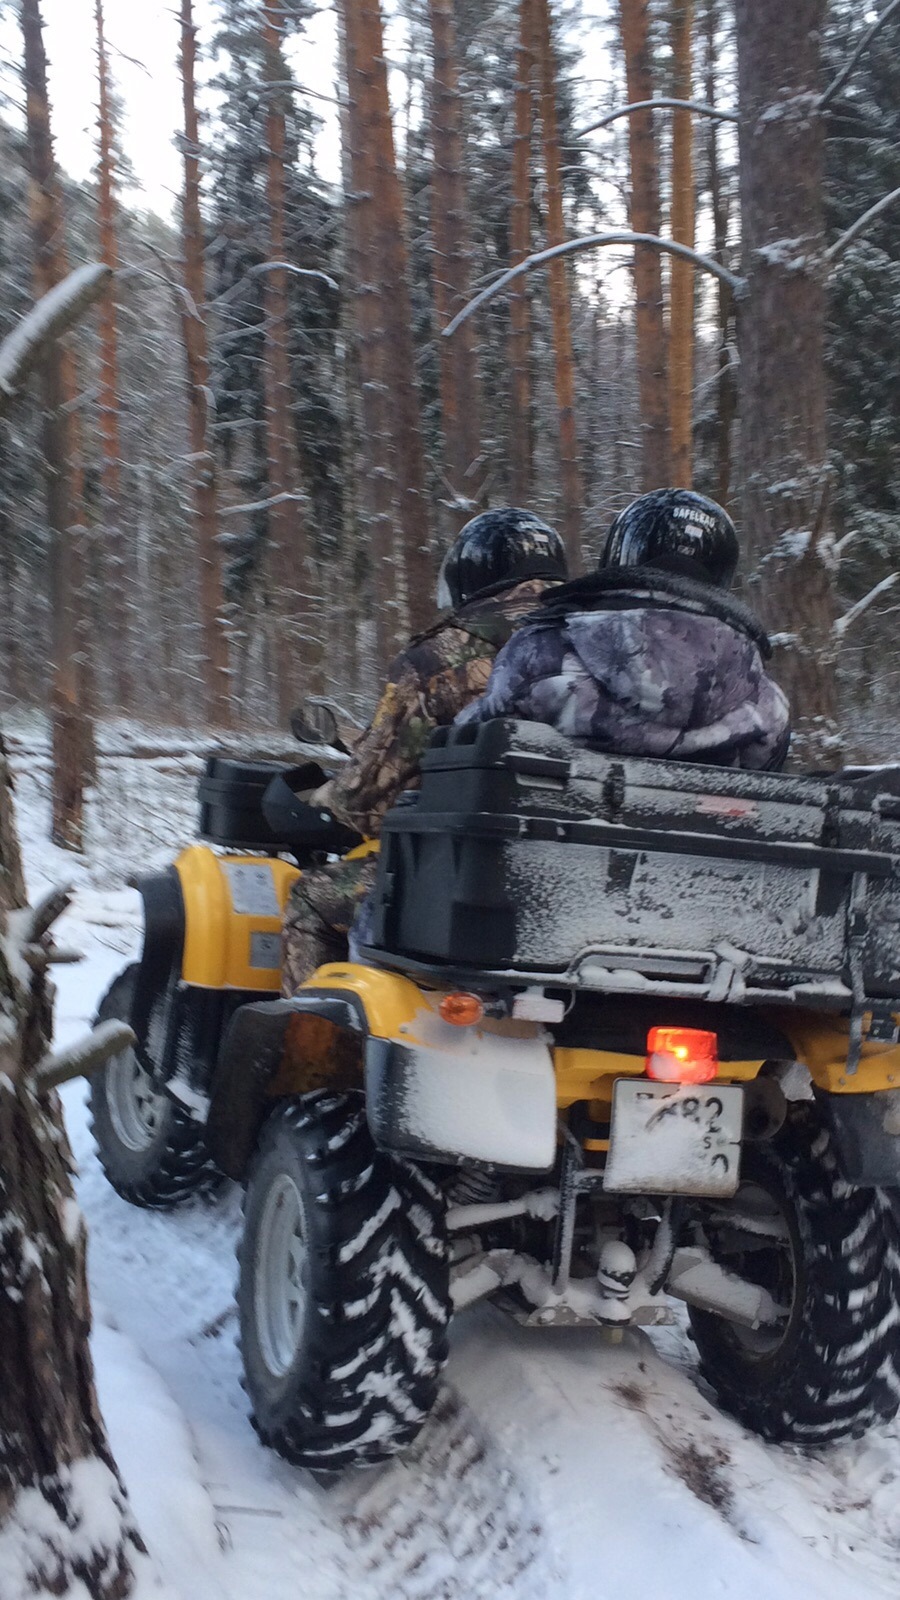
pixel 233 910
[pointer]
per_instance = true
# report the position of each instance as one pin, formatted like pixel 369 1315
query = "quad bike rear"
pixel 622 1034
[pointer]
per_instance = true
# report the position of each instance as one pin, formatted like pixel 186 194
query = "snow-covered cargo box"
pixel 524 854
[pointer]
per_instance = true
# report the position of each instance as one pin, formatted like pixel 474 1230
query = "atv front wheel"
pixel 343 1289
pixel 152 1151
pixel 827 1252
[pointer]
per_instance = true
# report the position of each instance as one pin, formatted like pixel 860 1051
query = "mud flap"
pixel 493 1102
pixel 866 1132
pixel 251 1053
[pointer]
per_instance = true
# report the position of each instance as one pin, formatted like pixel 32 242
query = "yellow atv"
pixel 620 1032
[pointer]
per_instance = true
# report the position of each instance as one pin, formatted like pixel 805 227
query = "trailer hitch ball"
pixel 616 1269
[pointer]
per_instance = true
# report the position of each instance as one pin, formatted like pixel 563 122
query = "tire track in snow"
pixel 449 1520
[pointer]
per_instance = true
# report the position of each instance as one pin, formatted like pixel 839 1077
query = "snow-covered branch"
pixel 271 266
pixel 846 621
pixel 836 250
pixel 54 314
pixel 592 242
pixel 259 505
pixel 837 83
pixel 660 102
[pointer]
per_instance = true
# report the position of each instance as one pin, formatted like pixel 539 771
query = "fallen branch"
pixel 592 242
pixel 660 102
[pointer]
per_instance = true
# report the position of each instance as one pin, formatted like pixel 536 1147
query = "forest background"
pixel 231 488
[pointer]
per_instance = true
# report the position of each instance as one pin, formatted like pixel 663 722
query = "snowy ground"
pixel 555 1468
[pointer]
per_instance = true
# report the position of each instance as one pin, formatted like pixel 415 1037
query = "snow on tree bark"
pixel 781 324
pixel 65 1524
pixel 644 216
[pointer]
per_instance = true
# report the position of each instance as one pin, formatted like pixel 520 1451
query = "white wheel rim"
pixel 135 1107
pixel 280 1288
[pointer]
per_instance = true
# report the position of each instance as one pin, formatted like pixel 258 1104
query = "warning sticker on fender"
pixel 252 888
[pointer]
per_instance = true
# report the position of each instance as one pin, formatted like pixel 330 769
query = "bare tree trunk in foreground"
pixel 65 1525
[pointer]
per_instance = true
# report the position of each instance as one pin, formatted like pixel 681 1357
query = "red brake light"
pixel 682 1055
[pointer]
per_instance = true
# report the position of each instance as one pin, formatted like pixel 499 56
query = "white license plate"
pixel 673 1138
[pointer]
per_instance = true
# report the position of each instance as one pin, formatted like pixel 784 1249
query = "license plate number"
pixel 672 1138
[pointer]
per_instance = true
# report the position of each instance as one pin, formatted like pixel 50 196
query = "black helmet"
pixel 677 530
pixel 496 550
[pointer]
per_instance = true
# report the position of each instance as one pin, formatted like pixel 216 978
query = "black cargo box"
pixel 524 854
pixel 230 794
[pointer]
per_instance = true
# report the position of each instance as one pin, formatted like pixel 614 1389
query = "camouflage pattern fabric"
pixel 322 906
pixel 435 677
pixel 647 673
pixel 438 674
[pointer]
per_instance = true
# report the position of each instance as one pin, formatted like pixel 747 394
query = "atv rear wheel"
pixel 828 1252
pixel 152 1151
pixel 343 1289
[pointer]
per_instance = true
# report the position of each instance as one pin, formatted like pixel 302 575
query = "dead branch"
pixel 592 242
pixel 85 1056
pixel 837 83
pixel 660 102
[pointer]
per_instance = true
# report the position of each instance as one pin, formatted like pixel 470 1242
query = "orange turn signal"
pixel 682 1055
pixel 461 1009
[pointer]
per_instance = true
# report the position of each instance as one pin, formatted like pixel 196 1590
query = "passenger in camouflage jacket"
pixel 438 674
pixel 643 661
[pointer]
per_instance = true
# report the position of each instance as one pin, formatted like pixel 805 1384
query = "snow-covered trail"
pixel 554 1466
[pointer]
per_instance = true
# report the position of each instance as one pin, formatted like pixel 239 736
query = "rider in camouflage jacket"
pixel 429 683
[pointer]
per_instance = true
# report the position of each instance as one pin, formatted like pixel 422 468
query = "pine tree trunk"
pixel 65 1526
pixel 450 269
pixel 112 565
pixel 69 735
pixel 390 264
pixel 645 218
pixel 560 303
pixel 781 339
pixel 390 405
pixel 298 651
pixel 376 499
pixel 726 387
pixel 521 441
pixel 203 473
pixel 681 307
